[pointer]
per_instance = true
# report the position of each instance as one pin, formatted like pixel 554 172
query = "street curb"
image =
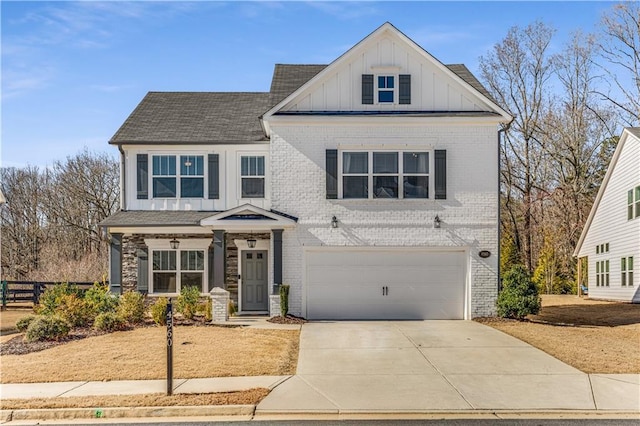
pixel 124 412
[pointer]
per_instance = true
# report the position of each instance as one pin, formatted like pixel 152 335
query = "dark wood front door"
pixel 254 281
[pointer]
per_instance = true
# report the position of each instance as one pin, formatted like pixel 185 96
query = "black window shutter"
pixel 367 89
pixel 142 176
pixel 405 89
pixel 214 176
pixel 143 270
pixel 332 173
pixel 441 174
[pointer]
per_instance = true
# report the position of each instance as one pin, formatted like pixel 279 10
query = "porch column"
pixel 115 264
pixel 218 258
pixel 277 256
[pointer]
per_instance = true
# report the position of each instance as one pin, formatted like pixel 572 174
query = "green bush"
pixel 188 301
pixel 100 299
pixel 23 323
pixel 204 308
pixel 52 297
pixel 519 296
pixel 284 300
pixel 75 310
pixel 159 311
pixel 47 328
pixel 131 307
pixel 110 321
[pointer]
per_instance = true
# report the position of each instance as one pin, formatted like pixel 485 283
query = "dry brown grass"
pixel 141 354
pixel 10 317
pixel 249 397
pixel 592 336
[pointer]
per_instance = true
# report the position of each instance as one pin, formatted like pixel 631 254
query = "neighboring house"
pixel 610 239
pixel 369 185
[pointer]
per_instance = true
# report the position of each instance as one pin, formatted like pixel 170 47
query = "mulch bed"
pixel 18 346
pixel 289 319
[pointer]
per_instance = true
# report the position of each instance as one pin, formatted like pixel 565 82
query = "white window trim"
pixel 395 89
pixel 162 244
pixel 634 205
pixel 626 272
pixel 178 176
pixel 400 174
pixel 265 177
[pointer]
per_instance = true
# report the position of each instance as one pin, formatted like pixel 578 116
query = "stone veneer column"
pixel 219 304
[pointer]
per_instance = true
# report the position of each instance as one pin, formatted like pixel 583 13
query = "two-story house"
pixel 610 239
pixel 369 185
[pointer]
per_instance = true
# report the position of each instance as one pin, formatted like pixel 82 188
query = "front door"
pixel 254 281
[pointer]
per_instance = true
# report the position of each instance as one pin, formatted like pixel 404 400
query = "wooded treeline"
pixel 569 107
pixel 50 222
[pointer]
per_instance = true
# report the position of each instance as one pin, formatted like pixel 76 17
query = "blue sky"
pixel 73 71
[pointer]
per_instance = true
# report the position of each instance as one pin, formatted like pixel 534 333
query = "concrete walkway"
pixel 399 367
pixel 418 366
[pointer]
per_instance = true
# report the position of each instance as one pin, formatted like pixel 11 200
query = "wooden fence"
pixel 30 291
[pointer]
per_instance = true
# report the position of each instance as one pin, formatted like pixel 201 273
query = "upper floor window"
pixel 385 174
pixel 633 198
pixel 252 176
pixel 165 176
pixel 386 88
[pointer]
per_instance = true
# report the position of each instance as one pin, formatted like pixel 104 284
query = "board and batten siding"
pixel 229 177
pixel 432 89
pixel 469 213
pixel 610 225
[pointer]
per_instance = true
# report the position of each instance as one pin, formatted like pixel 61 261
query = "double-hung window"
pixel 633 199
pixel 191 176
pixel 166 175
pixel 385 174
pixel 626 269
pixel 252 176
pixel 386 88
pixel 171 276
pixel 602 273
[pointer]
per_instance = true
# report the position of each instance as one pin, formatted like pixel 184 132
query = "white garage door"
pixel 385 284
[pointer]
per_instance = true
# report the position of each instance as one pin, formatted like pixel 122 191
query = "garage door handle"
pixel 385 290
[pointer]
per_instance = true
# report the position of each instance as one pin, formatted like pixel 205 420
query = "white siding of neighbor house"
pixel 432 89
pixel 610 225
pixel 229 164
pixel 469 214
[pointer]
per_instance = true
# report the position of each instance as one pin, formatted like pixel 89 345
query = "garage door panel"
pixel 418 284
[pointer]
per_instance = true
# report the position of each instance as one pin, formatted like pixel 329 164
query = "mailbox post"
pixel 169 318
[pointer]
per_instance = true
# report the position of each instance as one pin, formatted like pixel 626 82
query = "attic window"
pixel 386 88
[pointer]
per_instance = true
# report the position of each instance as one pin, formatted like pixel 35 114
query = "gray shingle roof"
pixel 195 117
pixel 635 131
pixel 155 218
pixel 287 78
pixel 463 72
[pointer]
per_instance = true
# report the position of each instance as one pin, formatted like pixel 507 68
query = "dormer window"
pixel 386 88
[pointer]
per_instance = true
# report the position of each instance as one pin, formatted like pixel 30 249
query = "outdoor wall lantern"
pixel 436 222
pixel 174 244
pixel 334 222
pixel 484 254
pixel 251 243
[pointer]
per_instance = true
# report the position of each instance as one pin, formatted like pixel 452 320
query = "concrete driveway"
pixel 406 366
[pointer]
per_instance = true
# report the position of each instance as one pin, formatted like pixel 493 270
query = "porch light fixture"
pixel 436 222
pixel 174 244
pixel 334 222
pixel 251 243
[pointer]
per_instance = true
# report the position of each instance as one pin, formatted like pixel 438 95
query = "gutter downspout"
pixel 123 175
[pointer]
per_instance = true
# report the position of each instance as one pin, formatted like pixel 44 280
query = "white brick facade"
pixel 469 214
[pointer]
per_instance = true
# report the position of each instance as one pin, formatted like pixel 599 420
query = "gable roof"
pixel 634 132
pixel 458 72
pixel 287 78
pixel 195 118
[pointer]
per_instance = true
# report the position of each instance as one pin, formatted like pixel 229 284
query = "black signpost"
pixel 169 348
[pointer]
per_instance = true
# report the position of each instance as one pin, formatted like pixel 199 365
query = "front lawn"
pixel 199 351
pixel 592 336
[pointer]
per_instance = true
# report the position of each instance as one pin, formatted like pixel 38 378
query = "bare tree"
pixel 517 72
pixel 620 48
